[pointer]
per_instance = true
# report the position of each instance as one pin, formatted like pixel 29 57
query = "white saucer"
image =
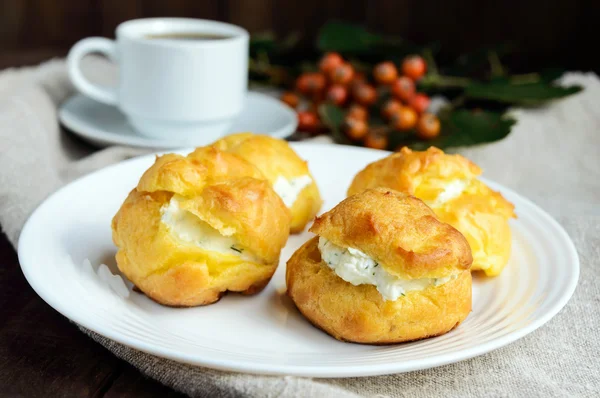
pixel 104 125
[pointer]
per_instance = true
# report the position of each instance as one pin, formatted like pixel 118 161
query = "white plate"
pixel 104 125
pixel 265 333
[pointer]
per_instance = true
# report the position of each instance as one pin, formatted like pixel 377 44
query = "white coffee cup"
pixel 171 88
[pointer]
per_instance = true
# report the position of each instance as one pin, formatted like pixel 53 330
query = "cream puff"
pixel 198 226
pixel 449 185
pixel 283 168
pixel 383 269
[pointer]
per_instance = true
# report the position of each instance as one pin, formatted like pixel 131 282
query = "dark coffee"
pixel 187 36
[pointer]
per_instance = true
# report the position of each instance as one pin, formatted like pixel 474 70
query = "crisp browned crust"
pixel 187 175
pixel 397 230
pixel 359 314
pixel 405 170
pixel 220 189
pixel 479 213
pixel 274 158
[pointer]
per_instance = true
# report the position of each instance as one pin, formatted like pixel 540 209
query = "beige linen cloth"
pixel 552 157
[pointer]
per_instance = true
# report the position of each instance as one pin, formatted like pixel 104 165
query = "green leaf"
pixel 549 75
pixel 476 63
pixel 262 42
pixel 347 38
pixel 523 94
pixel 352 39
pixel 267 42
pixel 333 117
pixel 467 127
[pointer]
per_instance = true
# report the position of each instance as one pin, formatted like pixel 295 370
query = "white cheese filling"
pixel 357 268
pixel 188 228
pixel 453 190
pixel 289 189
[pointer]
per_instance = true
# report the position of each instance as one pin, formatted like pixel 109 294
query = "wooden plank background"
pixel 544 31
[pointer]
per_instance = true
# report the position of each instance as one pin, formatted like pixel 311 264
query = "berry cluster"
pixel 337 82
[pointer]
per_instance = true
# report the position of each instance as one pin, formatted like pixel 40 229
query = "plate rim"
pixel 107 138
pixel 310 371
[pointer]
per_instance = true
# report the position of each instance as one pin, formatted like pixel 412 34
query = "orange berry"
pixel 355 128
pixel 414 66
pixel 341 74
pixel 337 94
pixel 428 126
pixel 404 119
pixel 291 99
pixel 310 83
pixel 419 102
pixel 376 141
pixel 385 72
pixel 364 94
pixel 330 61
pixel 358 112
pixel 358 79
pixel 390 107
pixel 403 88
pixel 308 121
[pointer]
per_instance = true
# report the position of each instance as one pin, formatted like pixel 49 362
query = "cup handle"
pixel 82 48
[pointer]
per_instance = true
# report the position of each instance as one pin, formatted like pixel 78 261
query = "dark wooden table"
pixel 43 354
